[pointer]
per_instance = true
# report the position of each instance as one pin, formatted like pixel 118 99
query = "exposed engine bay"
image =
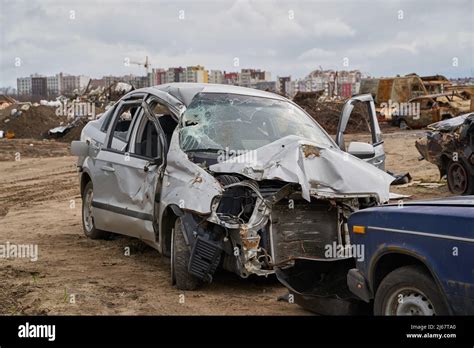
pixel 257 226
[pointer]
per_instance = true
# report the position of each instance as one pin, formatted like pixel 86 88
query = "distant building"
pixel 158 77
pixel 39 86
pixel 72 84
pixel 59 84
pixel 250 77
pixel 137 81
pixel 332 83
pixel 231 78
pixel 54 85
pixel 195 73
pixel 283 85
pixel 174 75
pixel 23 85
pixel 216 76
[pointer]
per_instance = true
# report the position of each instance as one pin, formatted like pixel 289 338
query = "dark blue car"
pixel 418 257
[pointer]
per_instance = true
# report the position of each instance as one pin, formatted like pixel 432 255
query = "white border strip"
pixel 443 236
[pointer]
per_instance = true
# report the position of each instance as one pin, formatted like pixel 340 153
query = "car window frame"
pixel 133 138
pixel 138 98
pixel 109 137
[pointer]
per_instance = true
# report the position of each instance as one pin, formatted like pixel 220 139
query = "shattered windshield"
pixel 222 121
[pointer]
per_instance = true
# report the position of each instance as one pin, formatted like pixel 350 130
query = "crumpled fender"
pixel 186 184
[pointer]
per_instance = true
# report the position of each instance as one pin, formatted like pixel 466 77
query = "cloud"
pixel 333 28
pixel 315 53
pixel 285 37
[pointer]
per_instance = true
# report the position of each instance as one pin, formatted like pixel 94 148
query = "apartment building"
pixel 216 76
pixel 250 77
pixel 195 73
pixel 39 86
pixel 332 83
pixel 23 85
pixel 71 84
pixel 54 85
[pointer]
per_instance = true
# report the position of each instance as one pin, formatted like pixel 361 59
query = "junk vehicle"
pixel 432 108
pixel 449 145
pixel 216 175
pixel 416 101
pixel 410 259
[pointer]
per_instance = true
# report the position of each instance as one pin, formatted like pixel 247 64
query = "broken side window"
pixel 121 128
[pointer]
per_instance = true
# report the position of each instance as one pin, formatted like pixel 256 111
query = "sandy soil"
pixel 40 204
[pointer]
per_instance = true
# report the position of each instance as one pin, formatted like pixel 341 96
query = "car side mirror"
pixel 79 148
pixel 361 150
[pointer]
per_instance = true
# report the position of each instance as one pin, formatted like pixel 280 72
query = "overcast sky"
pixel 380 38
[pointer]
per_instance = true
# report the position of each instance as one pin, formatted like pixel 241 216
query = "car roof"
pixel 185 92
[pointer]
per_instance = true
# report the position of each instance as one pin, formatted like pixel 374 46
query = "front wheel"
pixel 459 180
pixel 409 290
pixel 180 256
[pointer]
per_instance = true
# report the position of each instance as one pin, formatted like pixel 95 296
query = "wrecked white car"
pixel 223 176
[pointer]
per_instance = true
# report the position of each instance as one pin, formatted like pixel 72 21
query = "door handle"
pixel 107 169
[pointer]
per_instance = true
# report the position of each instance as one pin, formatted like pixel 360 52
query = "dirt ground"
pixel 40 204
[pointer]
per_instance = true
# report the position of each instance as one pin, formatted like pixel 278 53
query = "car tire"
pixel 460 182
pixel 180 256
pixel 88 224
pixel 409 290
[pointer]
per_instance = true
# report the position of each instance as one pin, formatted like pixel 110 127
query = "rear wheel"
pixel 88 217
pixel 409 290
pixel 180 256
pixel 459 180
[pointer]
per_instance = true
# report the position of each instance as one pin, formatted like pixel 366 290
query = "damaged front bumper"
pixel 274 228
pixel 287 205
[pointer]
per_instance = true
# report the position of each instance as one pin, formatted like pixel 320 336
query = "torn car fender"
pixel 183 178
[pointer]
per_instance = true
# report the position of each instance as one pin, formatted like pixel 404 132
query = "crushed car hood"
pixel 321 171
pixel 449 124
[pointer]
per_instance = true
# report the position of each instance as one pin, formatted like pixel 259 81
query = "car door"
pixel 127 182
pixel 373 152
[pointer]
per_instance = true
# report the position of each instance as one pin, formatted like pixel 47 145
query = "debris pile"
pixel 327 112
pixel 27 121
pixel 6 101
pixel 40 121
pixel 74 130
pixel 102 96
